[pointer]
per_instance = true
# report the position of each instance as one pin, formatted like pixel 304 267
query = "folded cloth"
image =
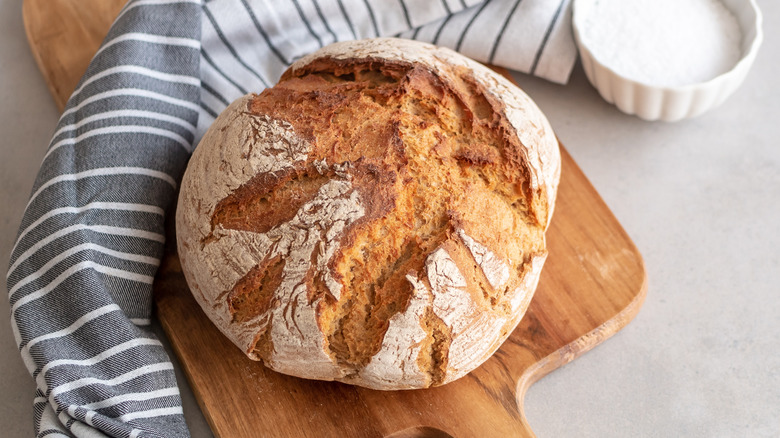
pixel 92 235
pixel 247 45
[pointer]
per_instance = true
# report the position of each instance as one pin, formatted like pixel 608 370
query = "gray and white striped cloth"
pixel 80 276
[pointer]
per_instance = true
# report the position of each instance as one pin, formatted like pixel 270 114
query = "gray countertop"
pixel 700 198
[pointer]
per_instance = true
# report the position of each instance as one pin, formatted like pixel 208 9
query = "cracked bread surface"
pixel 376 218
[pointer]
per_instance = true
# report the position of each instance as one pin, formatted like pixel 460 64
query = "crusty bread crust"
pixel 530 125
pixel 377 217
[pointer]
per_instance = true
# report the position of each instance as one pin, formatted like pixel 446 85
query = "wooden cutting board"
pixel 592 285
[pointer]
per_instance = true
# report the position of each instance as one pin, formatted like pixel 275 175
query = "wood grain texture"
pixel 63 37
pixel 592 285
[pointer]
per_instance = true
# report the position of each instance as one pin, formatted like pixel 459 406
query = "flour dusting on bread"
pixel 377 217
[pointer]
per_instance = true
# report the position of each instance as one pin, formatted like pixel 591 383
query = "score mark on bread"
pixel 377 217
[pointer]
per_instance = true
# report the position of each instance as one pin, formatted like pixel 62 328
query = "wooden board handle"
pixel 592 285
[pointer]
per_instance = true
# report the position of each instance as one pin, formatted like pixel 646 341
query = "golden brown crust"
pixel 388 229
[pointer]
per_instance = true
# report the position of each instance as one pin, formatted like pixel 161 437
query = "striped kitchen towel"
pixel 91 239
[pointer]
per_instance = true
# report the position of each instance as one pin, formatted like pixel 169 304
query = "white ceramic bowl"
pixel 652 102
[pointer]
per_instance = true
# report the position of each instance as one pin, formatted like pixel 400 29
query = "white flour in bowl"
pixel 663 42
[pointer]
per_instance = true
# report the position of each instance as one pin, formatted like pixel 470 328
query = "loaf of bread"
pixel 378 217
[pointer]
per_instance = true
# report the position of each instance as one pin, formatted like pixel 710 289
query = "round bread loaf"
pixel 376 218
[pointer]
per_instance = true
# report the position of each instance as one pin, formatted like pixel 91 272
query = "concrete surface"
pixel 700 198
